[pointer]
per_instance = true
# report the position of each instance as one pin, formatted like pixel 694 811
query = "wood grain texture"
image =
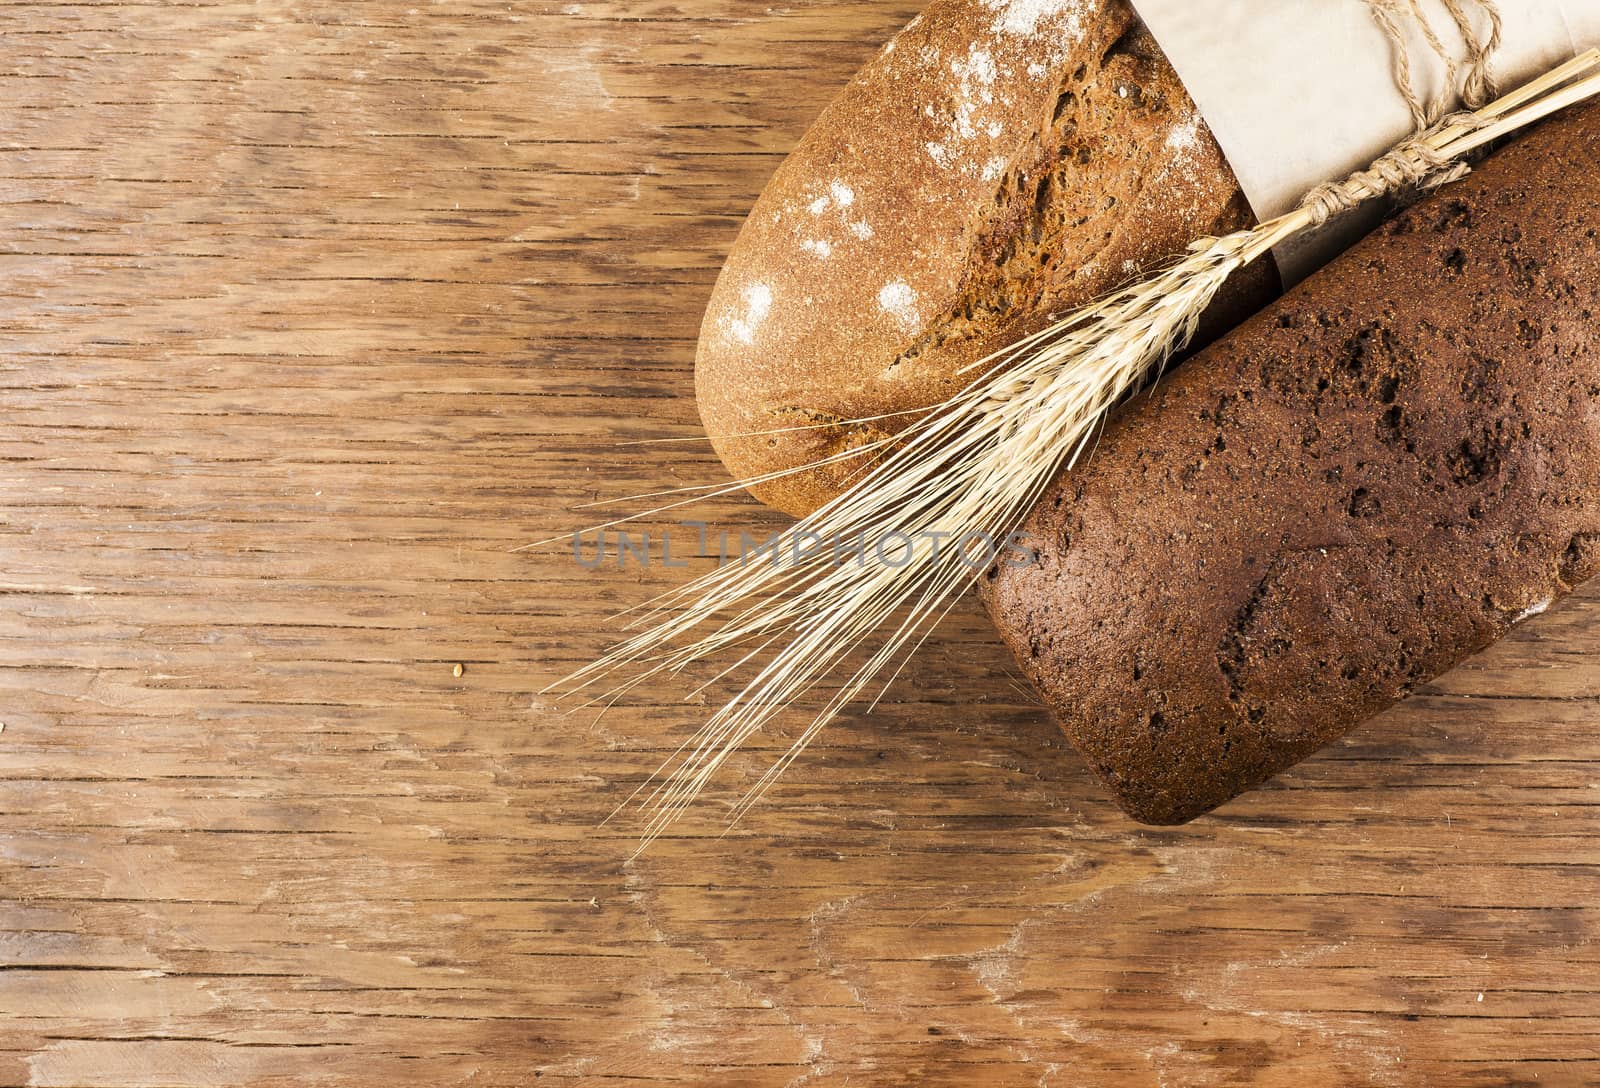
pixel 310 314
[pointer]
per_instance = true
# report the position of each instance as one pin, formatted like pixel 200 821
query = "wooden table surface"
pixel 310 314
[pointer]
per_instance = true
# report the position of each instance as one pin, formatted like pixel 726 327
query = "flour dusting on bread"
pixel 757 305
pixel 1025 16
pixel 900 300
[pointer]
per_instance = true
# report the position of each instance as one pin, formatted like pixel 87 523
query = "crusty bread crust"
pixel 999 162
pixel 1376 476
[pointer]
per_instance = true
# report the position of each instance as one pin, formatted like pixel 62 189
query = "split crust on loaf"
pixel 999 163
pixel 1374 478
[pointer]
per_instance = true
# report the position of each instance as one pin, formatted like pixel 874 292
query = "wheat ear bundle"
pixel 970 469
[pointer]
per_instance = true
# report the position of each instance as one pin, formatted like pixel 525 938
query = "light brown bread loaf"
pixel 1000 161
pixel 1375 477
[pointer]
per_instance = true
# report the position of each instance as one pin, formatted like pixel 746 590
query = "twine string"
pixel 1479 87
pixel 1417 163
pixel 1476 87
pixel 1452 67
pixel 1385 13
pixel 1469 77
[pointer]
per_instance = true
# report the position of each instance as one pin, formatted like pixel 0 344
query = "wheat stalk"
pixel 979 460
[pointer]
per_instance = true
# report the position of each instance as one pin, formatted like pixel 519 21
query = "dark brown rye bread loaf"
pixel 1370 480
